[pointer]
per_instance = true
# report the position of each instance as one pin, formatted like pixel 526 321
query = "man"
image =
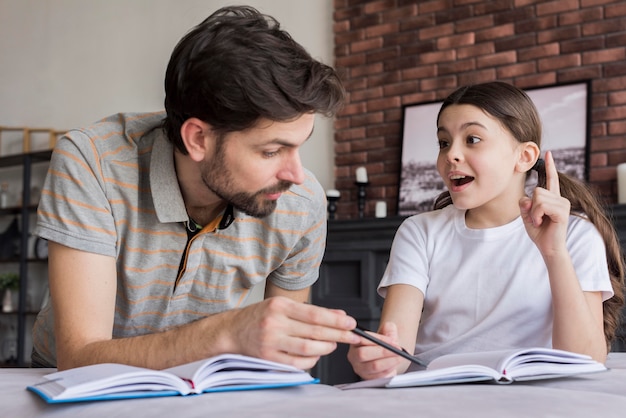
pixel 160 224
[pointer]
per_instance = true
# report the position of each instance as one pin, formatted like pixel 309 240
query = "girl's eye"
pixel 473 139
pixel 442 144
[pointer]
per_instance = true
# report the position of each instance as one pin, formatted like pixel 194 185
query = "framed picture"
pixel 564 112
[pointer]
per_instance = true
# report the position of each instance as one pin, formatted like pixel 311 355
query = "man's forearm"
pixel 194 341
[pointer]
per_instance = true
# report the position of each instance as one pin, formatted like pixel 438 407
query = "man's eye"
pixel 270 154
pixel 473 139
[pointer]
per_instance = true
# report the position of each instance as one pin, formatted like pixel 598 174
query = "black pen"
pixel 399 351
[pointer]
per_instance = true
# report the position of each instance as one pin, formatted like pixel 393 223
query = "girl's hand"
pixel 546 214
pixel 371 361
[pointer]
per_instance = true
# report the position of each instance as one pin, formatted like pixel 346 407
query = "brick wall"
pixel 392 53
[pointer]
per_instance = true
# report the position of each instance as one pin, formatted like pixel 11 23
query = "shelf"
pixel 29 312
pixel 16 260
pixel 16 210
pixel 18 159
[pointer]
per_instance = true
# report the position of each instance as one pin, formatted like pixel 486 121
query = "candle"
pixel 361 175
pixel 381 209
pixel 333 193
pixel 621 183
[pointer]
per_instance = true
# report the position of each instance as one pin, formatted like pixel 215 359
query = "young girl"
pixel 497 269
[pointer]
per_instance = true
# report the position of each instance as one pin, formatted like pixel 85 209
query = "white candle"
pixel 333 193
pixel 381 209
pixel 361 175
pixel 621 183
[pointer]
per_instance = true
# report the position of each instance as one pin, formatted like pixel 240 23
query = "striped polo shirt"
pixel 112 189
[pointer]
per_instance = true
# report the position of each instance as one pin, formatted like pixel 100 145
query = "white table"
pixel 596 395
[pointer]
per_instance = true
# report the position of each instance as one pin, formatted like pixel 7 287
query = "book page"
pixel 103 378
pixel 234 369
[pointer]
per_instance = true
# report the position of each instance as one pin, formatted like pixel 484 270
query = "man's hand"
pixel 290 332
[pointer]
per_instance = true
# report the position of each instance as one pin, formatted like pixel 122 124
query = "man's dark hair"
pixel 238 66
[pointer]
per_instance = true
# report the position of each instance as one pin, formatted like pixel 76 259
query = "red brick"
pixel 366 119
pixel 352 60
pixel 474 77
pixel 536 80
pixel 384 55
pixel 382 29
pixel 421 97
pixel 579 73
pixel 617 127
pixel 610 113
pixel 456 67
pixel 455 41
pixel 617 98
pixel 615 10
pixel 558 34
pixel 556 6
pixel 368 144
pixel 495 32
pixel 598 159
pixel 398 89
pixel 604 26
pixel 419 72
pixel 516 42
pixel 475 23
pixel 536 25
pixel 438 83
pixel 349 37
pixel 350 134
pixel 366 45
pixel 607 55
pixel 382 104
pixel 516 70
pixel 363 70
pixel 495 60
pixel 433 6
pixel 378 6
pixel 452 14
pixel 437 57
pixel 483 48
pixel 583 44
pixel 581 16
pixel 561 61
pixel 398 13
pixel 373 93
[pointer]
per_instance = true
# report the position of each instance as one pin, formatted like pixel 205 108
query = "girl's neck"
pixel 490 217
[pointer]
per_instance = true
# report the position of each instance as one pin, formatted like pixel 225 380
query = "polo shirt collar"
pixel 166 195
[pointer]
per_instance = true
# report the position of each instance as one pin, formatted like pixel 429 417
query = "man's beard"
pixel 218 179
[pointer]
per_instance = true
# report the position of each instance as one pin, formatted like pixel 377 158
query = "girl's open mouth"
pixel 461 180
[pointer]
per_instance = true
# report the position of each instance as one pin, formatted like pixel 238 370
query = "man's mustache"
pixel 281 187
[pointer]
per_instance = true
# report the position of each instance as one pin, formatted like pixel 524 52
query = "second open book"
pixel 502 367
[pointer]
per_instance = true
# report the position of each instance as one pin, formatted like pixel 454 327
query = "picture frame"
pixel 564 112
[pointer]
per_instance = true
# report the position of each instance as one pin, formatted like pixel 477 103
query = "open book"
pixel 225 372
pixel 505 366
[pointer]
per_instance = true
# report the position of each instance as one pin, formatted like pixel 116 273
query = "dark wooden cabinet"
pixel 357 252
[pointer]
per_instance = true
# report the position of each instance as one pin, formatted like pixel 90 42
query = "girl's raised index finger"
pixel 552 176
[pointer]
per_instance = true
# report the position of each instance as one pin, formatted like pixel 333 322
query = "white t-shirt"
pixel 485 289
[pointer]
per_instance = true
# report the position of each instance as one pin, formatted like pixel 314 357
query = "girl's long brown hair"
pixel 516 111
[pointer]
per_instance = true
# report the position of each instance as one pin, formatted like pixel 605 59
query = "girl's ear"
pixel 529 153
pixel 196 135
